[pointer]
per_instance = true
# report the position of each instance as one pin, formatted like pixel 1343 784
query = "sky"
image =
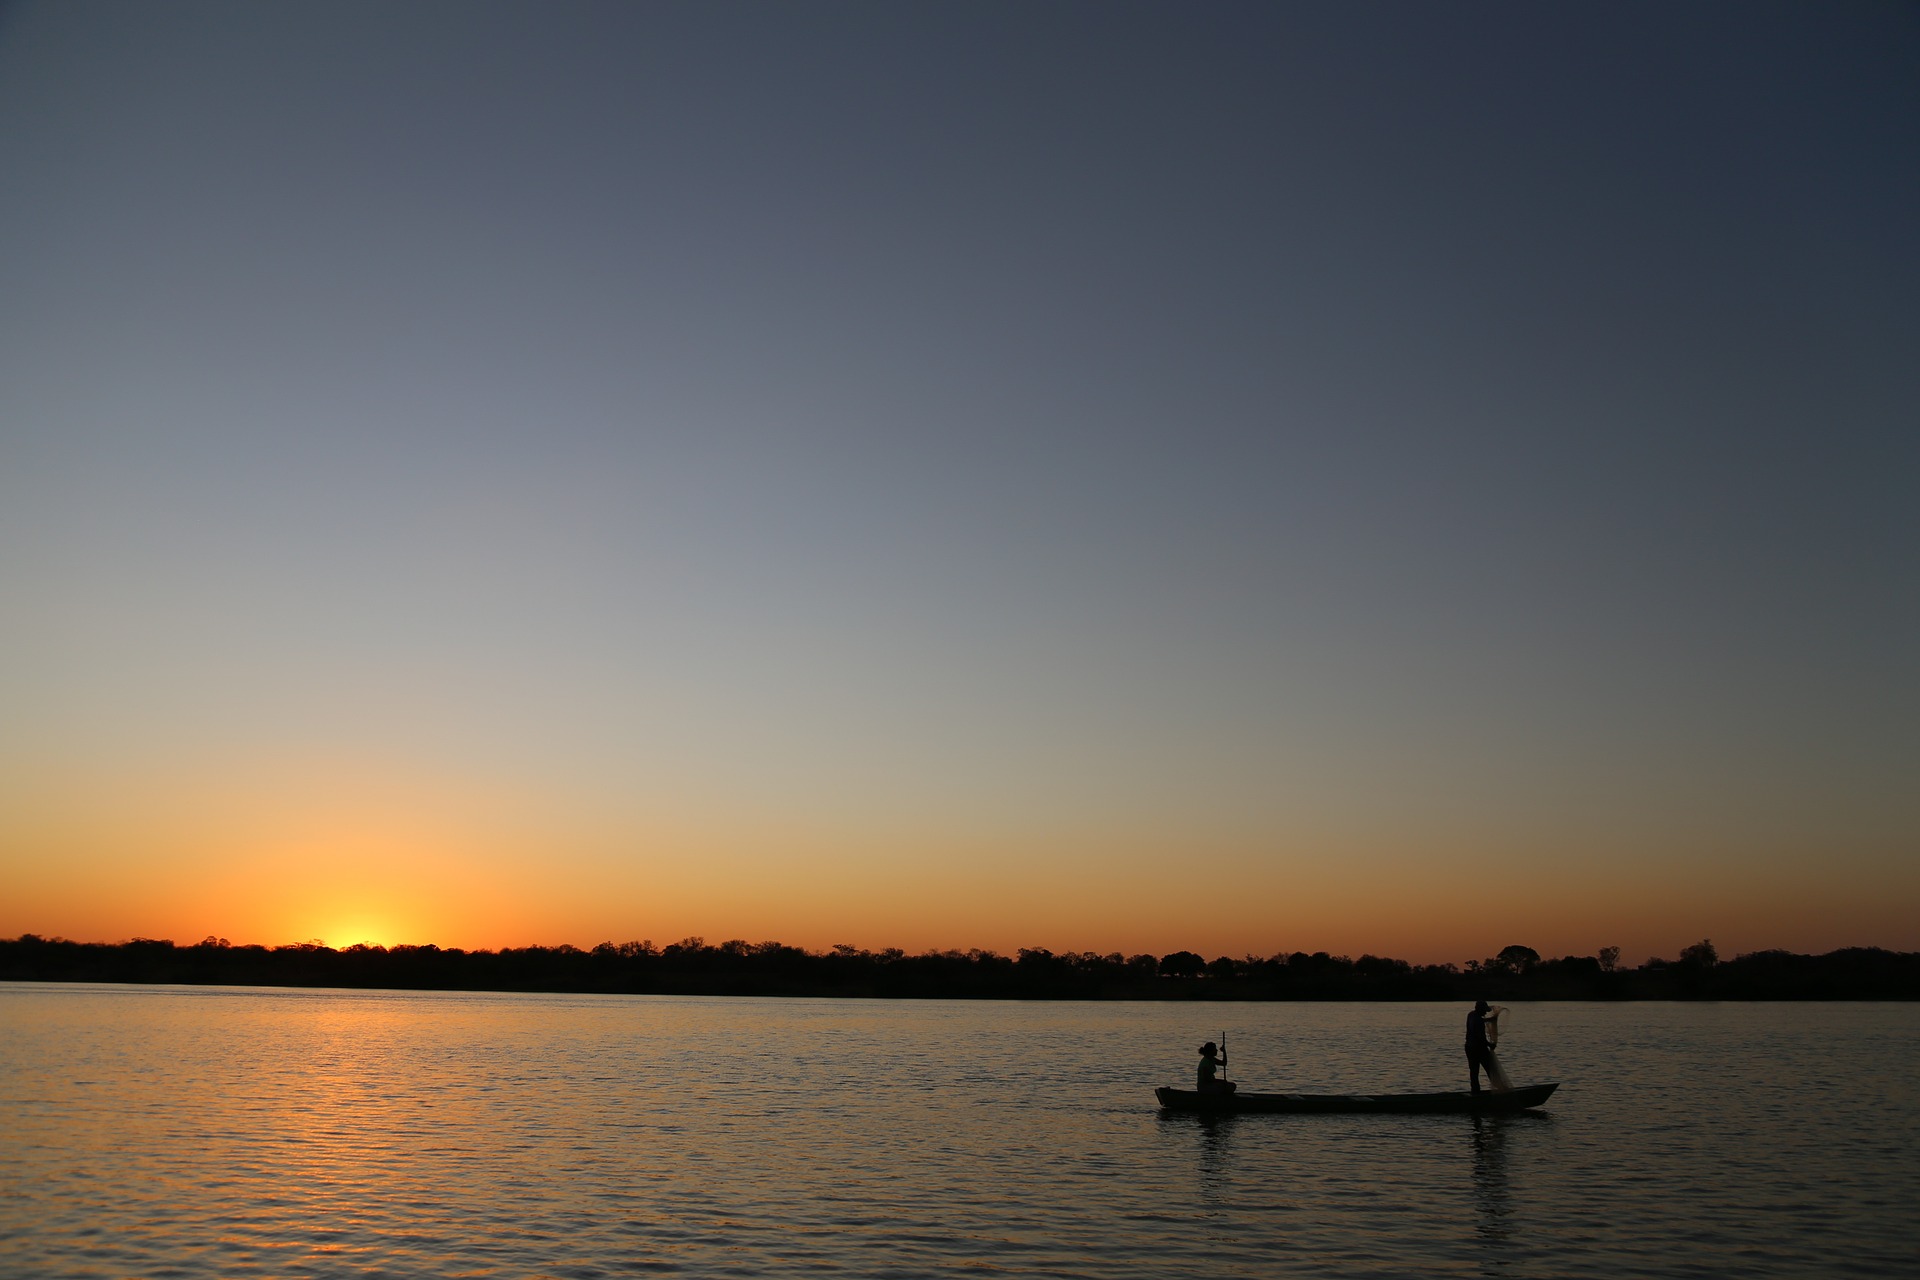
pixel 1378 478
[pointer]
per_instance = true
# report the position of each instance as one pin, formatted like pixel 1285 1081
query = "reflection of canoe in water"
pixel 1401 1103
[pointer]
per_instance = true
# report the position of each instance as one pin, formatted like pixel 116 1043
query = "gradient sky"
pixel 1390 478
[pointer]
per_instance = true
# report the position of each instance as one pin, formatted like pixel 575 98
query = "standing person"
pixel 1212 1059
pixel 1479 1052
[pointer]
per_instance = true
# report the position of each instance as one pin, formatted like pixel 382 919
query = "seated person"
pixel 1212 1058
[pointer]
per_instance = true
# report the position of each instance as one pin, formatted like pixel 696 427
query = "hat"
pixel 1481 1005
pixel 1209 1048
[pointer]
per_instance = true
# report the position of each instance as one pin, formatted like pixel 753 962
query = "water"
pixel 246 1132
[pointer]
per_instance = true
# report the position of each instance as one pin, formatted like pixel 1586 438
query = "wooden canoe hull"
pixel 1483 1103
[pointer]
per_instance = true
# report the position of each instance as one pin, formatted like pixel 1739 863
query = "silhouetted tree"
pixel 1223 968
pixel 1181 964
pixel 1609 958
pixel 1514 959
pixel 771 968
pixel 1381 968
pixel 1700 955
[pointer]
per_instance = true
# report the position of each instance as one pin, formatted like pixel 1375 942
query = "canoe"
pixel 1398 1103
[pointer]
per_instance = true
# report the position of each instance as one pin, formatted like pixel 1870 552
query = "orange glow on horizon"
pixel 352 850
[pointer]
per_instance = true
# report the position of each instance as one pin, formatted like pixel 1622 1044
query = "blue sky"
pixel 933 445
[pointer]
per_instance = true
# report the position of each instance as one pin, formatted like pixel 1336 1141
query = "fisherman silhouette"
pixel 1212 1059
pixel 1479 1052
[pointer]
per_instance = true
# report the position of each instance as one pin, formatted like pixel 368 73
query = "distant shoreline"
pixel 771 969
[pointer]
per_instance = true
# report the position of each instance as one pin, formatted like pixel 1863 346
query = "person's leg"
pixel 1473 1069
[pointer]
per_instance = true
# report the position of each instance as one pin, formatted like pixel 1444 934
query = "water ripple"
pixel 241 1133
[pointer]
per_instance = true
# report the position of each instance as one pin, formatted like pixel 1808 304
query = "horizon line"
pixel 696 943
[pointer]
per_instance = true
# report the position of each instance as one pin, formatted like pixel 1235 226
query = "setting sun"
pixel 347 935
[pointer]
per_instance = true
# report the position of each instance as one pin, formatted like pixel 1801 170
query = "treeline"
pixel 692 967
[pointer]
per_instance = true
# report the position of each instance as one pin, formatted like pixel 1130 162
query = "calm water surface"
pixel 173 1131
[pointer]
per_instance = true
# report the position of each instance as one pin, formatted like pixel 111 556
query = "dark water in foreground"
pixel 247 1132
